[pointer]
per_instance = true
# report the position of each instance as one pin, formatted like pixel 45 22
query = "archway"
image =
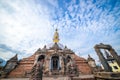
pixel 55 63
pixel 68 58
pixel 40 57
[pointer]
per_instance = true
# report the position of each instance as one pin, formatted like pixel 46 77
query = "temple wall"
pixel 25 65
pixel 82 65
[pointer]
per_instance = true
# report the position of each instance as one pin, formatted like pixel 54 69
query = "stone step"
pixel 44 78
pixel 55 78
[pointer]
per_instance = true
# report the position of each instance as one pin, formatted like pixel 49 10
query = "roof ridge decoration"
pixel 14 58
pixel 90 58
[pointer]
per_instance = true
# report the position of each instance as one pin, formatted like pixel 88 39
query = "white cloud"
pixel 6 54
pixel 28 25
pixel 24 29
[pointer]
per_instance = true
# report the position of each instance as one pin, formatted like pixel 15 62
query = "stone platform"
pixel 107 75
pixel 81 77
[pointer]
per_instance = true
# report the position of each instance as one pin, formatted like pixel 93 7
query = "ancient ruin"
pixel 110 62
pixel 60 61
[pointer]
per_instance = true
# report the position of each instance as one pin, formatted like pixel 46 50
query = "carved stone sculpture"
pixel 37 70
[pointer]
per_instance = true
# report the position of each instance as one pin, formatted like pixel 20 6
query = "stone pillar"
pixel 49 65
pixel 103 60
pixel 62 65
pixel 47 61
pixel 115 56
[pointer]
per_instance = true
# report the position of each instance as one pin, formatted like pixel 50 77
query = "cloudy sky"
pixel 26 25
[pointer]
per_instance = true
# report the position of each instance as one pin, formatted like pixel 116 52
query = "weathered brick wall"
pixel 24 67
pixel 82 65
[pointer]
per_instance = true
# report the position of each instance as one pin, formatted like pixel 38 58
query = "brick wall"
pixel 24 67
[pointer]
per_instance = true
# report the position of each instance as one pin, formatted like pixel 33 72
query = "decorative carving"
pixel 37 70
pixel 71 68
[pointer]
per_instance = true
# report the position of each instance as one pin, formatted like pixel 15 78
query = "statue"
pixel 68 66
pixel 71 68
pixel 37 70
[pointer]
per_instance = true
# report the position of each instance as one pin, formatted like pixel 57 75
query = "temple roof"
pixel 56 47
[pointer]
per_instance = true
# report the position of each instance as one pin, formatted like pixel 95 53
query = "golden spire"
pixel 56 36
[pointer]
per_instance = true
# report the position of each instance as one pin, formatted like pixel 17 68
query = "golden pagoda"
pixel 56 37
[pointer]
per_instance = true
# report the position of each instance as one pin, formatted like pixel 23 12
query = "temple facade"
pixel 59 60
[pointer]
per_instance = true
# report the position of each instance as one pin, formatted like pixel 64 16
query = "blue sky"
pixel 26 25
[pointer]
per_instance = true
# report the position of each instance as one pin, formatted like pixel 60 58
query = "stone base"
pixel 107 75
pixel 82 77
